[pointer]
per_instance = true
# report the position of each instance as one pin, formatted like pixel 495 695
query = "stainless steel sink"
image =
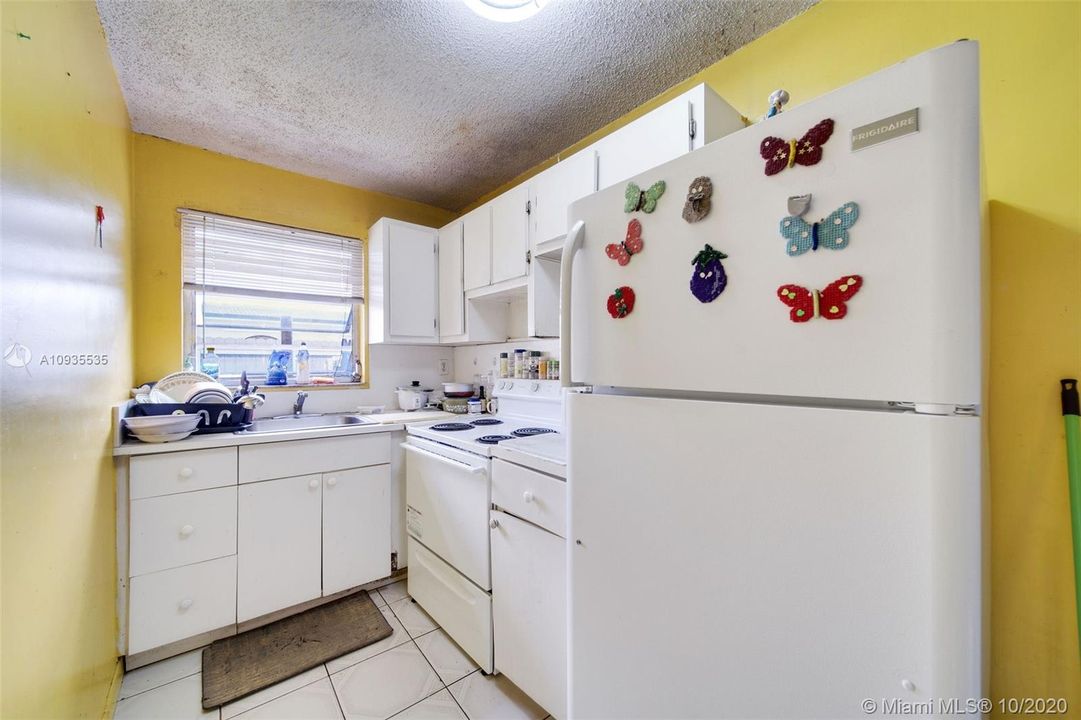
pixel 305 422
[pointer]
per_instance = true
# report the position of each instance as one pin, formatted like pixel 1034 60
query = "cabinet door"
pixel 509 231
pixel 653 139
pixel 529 609
pixel 555 189
pixel 451 288
pixel 477 247
pixel 278 539
pixel 356 527
pixel 411 282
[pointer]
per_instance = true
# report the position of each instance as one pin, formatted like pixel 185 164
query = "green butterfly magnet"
pixel 644 200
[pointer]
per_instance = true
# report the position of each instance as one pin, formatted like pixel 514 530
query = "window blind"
pixel 245 257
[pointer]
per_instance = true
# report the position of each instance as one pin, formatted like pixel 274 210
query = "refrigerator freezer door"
pixel 753 561
pixel 913 331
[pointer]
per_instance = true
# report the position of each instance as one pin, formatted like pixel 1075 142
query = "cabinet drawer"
pixel 175 530
pixel 306 457
pixel 168 473
pixel 180 603
pixel 541 499
pixel 462 609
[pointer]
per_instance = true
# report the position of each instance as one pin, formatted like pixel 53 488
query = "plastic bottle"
pixel 534 365
pixel 303 365
pixel 542 369
pixel 211 363
pixel 504 365
pixel 520 363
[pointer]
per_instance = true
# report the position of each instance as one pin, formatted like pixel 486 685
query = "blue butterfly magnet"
pixel 830 233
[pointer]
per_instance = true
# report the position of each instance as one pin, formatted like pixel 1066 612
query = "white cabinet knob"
pixel 185 603
pixel 493 523
pixel 313 483
pixel 528 496
pixel 185 473
pixel 186 530
pixel 332 481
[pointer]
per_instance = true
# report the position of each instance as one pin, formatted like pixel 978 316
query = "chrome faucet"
pixel 298 406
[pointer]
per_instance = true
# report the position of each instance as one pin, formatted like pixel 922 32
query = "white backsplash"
pixel 391 366
pixel 470 360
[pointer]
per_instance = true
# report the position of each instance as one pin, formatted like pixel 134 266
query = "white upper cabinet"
pixel 510 237
pixel 403 281
pixel 477 247
pixel 451 281
pixel 695 118
pixel 555 189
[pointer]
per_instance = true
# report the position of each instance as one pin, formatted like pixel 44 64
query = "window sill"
pixel 294 387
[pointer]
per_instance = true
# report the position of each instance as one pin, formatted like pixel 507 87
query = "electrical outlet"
pixel 444 367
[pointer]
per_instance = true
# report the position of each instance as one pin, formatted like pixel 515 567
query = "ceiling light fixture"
pixel 506 10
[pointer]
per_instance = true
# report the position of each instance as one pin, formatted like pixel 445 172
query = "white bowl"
pixel 165 437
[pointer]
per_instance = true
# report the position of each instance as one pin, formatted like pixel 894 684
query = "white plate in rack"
pixel 178 385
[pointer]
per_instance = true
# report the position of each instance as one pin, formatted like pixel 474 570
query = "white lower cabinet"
pixel 175 604
pixel 278 544
pixel 529 609
pixel 356 527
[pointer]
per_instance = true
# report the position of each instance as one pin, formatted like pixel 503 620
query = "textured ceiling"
pixel 417 98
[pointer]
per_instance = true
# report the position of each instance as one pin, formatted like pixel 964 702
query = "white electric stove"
pixel 448 504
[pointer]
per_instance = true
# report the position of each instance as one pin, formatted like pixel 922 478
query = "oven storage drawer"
pixel 462 609
pixel 541 499
pixel 181 603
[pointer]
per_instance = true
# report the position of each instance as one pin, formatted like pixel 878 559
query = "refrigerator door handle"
pixel 570 246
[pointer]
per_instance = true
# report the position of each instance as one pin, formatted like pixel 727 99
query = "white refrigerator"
pixel 776 513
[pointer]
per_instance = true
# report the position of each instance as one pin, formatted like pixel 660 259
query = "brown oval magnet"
pixel 698 199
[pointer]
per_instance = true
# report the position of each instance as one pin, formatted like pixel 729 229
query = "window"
pixel 252 289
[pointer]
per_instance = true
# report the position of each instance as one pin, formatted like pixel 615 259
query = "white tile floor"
pixel 417 673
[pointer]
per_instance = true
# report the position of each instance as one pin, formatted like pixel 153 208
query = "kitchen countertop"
pixel 381 422
pixel 547 453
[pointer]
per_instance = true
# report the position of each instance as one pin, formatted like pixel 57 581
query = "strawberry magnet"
pixel 709 279
pixel 621 302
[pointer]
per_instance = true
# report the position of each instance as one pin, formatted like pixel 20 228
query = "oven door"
pixel 448 496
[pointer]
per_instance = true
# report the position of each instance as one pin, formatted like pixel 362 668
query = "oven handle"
pixel 446 461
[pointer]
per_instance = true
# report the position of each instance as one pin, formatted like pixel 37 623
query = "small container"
pixel 520 363
pixel 504 365
pixel 553 369
pixel 542 369
pixel 534 365
pixel 475 406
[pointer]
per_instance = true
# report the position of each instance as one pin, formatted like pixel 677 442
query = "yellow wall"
pixel 1030 84
pixel 169 175
pixel 65 144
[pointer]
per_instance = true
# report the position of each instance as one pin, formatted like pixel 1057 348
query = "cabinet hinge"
pixel 528 257
pixel 393 561
pixel 528 207
pixel 692 128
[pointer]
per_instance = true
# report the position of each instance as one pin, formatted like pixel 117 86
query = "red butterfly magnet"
pixel 780 154
pixel 621 252
pixel 829 303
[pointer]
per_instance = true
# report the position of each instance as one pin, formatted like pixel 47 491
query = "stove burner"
pixel 493 439
pixel 451 427
pixel 530 431
pixel 487 421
